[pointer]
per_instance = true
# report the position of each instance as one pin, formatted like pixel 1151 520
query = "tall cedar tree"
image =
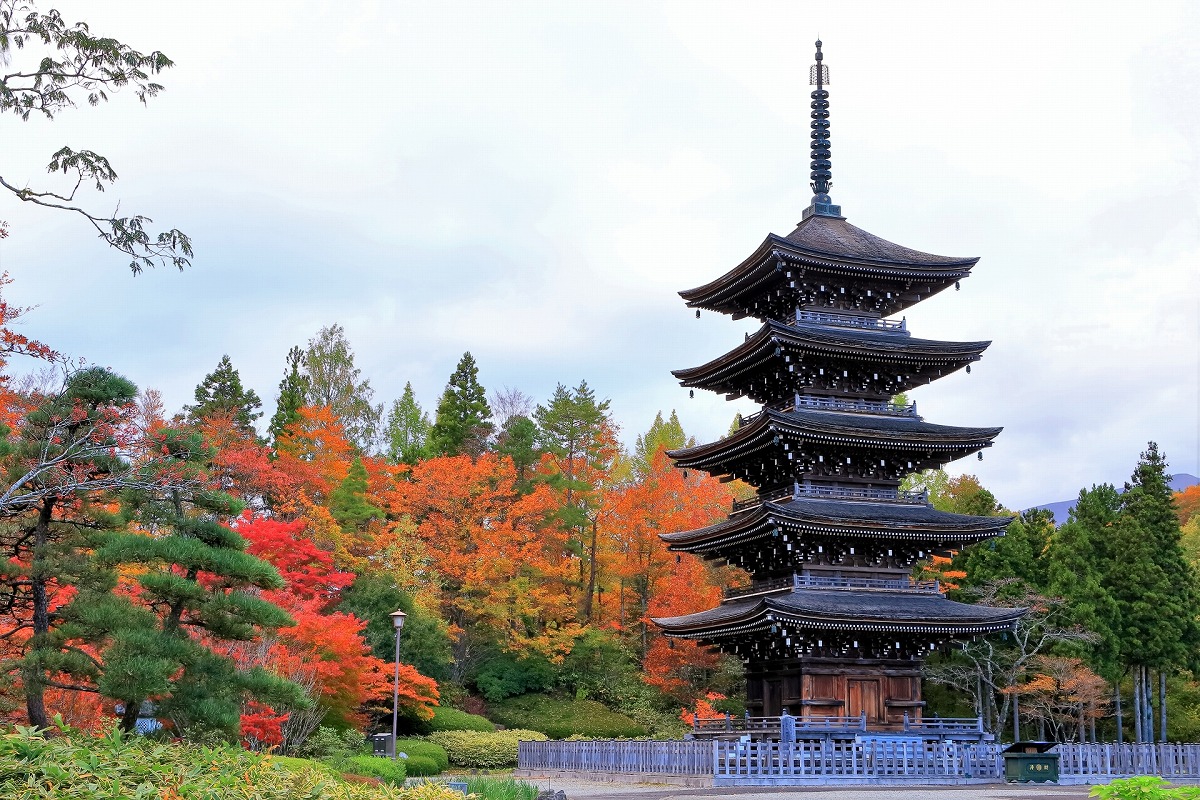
pixel 576 431
pixel 51 66
pixel 463 421
pixel 406 433
pixel 195 589
pixel 1156 591
pixel 46 546
pixel 221 393
pixel 293 390
pixel 518 440
pixel 333 381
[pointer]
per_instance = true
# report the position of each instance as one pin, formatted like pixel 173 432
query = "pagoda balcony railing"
pixel 833 493
pixel 840 404
pixel 802 581
pixel 849 321
pixel 769 727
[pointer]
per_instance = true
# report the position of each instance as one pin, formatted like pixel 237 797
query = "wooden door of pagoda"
pixel 772 698
pixel 864 697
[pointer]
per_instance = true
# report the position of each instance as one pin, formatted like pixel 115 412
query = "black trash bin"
pixel 1030 762
pixel 381 744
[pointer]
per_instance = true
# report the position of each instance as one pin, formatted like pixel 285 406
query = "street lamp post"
pixel 398 621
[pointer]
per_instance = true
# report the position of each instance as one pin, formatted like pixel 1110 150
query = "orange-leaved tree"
pixel 654 581
pixel 500 570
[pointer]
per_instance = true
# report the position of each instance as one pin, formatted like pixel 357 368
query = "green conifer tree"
pixel 348 503
pixel 221 392
pixel 667 435
pixel 406 433
pixel 73 438
pixel 292 391
pixel 197 591
pixel 462 424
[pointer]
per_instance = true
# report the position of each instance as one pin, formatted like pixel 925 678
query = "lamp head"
pixel 398 618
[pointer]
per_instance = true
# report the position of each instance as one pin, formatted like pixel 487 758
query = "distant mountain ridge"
pixel 1063 508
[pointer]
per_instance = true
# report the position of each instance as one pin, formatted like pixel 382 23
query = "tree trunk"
pixel 35 698
pixel 1137 705
pixel 1120 715
pixel 591 584
pixel 1148 697
pixel 129 715
pixel 1016 709
pixel 1162 705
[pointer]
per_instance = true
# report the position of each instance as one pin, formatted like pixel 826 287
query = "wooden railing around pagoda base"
pixel 801 581
pixel 863 759
pixel 848 321
pixel 833 493
pixel 770 727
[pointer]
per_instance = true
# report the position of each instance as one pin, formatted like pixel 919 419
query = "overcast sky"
pixel 534 182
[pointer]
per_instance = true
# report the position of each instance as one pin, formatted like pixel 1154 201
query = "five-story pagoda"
pixel 832 624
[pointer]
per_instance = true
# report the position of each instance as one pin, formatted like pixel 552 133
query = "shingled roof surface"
pixel 851 608
pixel 835 236
pixel 901 517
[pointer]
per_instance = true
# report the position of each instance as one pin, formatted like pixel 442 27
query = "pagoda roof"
pixel 844 609
pixel 849 343
pixel 831 244
pixel 839 518
pixel 831 427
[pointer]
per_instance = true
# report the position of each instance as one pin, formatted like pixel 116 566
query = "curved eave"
pixel 844 610
pixel 890 522
pixel 880 347
pixel 775 251
pixel 898 433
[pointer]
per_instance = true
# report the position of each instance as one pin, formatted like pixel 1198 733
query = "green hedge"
pixel 482 750
pixel 419 748
pixel 560 719
pixel 451 719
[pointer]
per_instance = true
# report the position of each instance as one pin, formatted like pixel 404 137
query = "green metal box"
pixel 1030 762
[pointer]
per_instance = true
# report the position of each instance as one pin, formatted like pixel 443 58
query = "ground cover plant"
pixel 73 765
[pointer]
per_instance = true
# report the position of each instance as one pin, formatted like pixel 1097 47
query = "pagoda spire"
pixel 821 176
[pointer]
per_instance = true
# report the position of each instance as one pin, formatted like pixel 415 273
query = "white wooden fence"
pixel 866 761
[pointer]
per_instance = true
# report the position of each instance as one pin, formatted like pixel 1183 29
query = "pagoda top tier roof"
pixel 845 610
pixel 832 427
pixel 843 519
pixel 828 244
pixel 835 237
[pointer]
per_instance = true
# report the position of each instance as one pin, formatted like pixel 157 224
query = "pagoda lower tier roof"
pixel 768 349
pixel 826 244
pixel 766 435
pixel 856 519
pixel 843 610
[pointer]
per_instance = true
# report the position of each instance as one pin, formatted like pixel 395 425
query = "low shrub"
pixel 483 750
pixel 451 719
pixel 394 772
pixel 559 719
pixel 424 749
pixel 421 766
pixel 330 744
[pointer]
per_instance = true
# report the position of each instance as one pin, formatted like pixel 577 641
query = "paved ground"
pixel 590 790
